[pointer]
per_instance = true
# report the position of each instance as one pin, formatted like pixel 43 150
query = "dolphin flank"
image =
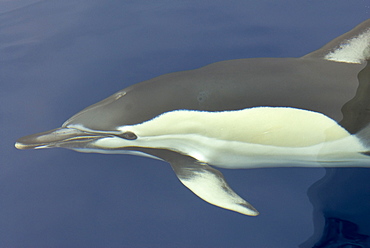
pixel 244 113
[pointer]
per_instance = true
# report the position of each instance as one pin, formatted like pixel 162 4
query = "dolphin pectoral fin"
pixel 203 180
pixel 210 185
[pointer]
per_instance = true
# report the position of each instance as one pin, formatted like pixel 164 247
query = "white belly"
pixel 255 137
pixel 236 154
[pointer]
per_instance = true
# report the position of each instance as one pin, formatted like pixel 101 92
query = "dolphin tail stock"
pixel 351 47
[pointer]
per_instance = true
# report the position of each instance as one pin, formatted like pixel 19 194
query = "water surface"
pixel 57 57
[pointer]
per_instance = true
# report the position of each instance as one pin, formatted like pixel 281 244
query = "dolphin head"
pixel 84 129
pixel 104 127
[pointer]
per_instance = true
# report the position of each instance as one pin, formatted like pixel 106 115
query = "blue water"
pixel 57 57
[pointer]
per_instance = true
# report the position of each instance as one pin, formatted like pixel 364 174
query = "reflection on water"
pixel 341 233
pixel 341 199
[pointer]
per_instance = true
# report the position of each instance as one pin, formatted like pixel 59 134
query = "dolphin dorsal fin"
pixel 351 47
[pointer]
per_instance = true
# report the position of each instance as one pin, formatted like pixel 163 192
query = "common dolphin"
pixel 244 113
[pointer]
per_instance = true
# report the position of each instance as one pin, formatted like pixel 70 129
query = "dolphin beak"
pixel 59 137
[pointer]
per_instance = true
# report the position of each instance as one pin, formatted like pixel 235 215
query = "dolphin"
pixel 243 113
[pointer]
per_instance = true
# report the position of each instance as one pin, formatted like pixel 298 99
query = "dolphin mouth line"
pixel 59 137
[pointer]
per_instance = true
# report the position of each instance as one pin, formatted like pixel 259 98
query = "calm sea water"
pixel 57 57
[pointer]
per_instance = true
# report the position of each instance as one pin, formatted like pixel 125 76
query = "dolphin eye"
pixel 128 135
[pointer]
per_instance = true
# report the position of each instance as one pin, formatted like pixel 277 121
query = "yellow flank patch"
pixel 275 126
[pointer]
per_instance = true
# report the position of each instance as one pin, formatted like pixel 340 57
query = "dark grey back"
pixel 311 84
